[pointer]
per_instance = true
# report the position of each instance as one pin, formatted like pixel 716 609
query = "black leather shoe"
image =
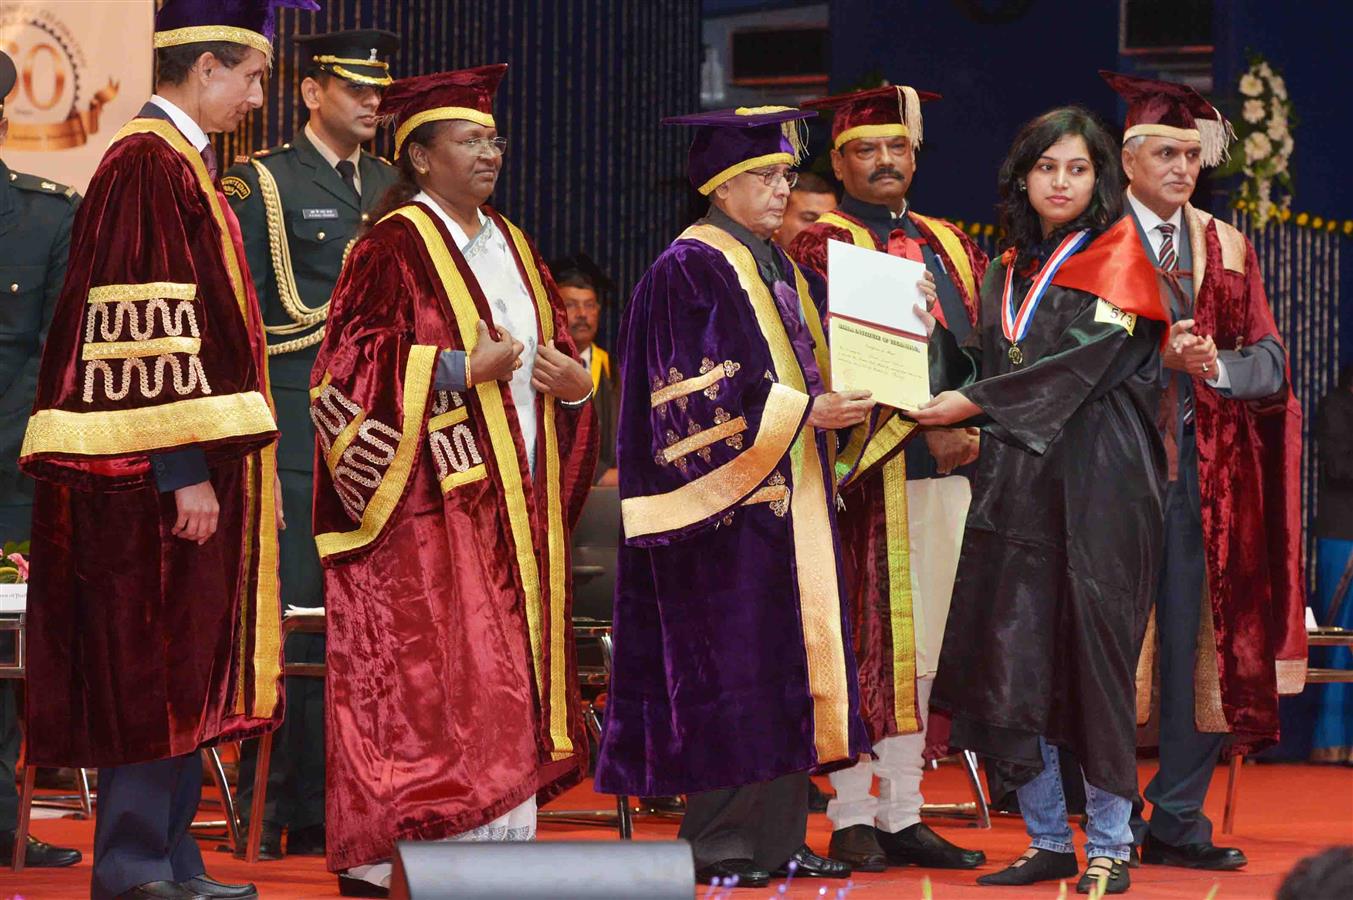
pixel 1135 860
pixel 808 864
pixel 206 886
pixel 858 847
pixel 39 855
pixel 1032 867
pixel 159 890
pixel 747 873
pixel 1113 871
pixel 307 841
pixel 920 846
pixel 360 887
pixel 269 843
pixel 1204 855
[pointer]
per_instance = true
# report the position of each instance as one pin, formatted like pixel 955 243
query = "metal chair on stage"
pixel 976 809
pixel 18 670
pixel 306 623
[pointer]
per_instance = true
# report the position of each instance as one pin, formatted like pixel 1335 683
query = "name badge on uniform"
pixel 1109 314
pixel 319 213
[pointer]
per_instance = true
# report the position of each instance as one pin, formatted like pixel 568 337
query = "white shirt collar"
pixel 457 233
pixel 183 122
pixel 327 152
pixel 1150 220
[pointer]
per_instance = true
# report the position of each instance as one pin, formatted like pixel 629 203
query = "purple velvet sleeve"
pixel 705 417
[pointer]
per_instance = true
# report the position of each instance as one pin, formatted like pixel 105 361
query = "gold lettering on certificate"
pixel 895 368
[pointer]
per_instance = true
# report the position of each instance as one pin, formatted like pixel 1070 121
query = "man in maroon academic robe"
pixel 904 509
pixel 154 602
pixel 1229 631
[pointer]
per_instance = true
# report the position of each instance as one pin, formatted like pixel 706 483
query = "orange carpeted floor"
pixel 1284 813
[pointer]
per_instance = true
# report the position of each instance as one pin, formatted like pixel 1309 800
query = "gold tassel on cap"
pixel 909 111
pixel 1216 136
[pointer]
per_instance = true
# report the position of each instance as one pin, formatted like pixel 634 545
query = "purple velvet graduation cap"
pixel 248 22
pixel 462 94
pixel 1166 109
pixel 729 142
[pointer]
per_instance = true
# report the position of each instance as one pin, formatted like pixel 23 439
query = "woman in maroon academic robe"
pixel 445 490
pixel 1051 599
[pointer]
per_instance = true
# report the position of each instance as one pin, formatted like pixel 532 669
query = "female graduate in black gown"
pixel 1063 537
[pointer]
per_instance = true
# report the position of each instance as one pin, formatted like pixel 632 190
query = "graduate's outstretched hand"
pixel 494 359
pixel 946 408
pixel 198 512
pixel 560 375
pixel 840 409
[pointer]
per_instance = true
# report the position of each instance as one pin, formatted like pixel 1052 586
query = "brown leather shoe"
pixel 858 847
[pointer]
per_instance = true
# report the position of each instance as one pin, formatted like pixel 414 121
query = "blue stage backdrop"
pixel 588 168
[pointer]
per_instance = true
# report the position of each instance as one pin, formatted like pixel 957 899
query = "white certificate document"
pixel 878 342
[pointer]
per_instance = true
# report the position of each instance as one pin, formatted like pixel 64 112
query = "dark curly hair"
pixel 1020 222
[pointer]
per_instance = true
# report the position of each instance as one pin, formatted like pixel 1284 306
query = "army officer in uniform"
pixel 35 221
pixel 300 207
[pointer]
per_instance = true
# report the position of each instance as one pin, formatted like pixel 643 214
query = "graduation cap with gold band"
pixel 463 94
pixel 1166 109
pixel 361 56
pixel 729 142
pixel 887 112
pixel 248 22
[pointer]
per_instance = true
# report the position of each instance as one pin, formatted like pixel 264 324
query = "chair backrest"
pixel 596 540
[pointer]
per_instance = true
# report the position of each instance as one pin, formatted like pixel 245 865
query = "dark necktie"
pixel 349 173
pixel 1168 259
pixel 209 157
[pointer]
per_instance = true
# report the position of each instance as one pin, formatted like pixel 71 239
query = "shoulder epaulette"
pixel 25 182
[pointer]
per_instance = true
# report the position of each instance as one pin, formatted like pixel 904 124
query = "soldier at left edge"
pixel 35 222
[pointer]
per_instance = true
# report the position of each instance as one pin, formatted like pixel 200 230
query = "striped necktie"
pixel 1168 258
pixel 1169 261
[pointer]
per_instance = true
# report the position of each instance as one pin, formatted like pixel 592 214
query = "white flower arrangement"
pixel 1265 133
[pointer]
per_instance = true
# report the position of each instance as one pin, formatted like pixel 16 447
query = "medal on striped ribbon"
pixel 1015 322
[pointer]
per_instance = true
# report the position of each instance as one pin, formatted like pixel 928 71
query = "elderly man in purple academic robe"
pixel 734 675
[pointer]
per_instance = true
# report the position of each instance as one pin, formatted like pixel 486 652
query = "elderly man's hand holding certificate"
pixel 879 328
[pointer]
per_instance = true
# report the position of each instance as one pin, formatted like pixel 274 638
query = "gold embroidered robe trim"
pixel 815 557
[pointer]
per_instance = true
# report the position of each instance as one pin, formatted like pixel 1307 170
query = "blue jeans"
pixel 1044 808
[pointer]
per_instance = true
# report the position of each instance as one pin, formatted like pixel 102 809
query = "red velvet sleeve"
pixel 370 396
pixel 1278 422
pixel 151 344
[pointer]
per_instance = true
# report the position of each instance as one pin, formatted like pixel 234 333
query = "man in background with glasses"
pixel 904 517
